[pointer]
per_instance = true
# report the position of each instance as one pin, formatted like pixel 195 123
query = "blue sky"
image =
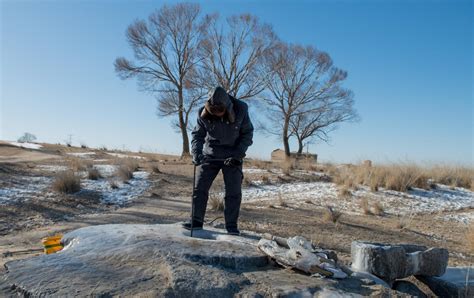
pixel 409 65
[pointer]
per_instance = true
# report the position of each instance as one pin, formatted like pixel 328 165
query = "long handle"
pixel 192 201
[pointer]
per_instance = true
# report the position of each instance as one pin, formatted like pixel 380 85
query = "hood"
pixel 219 97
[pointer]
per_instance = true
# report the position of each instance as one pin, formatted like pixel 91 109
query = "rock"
pixel 391 262
pixel 408 288
pixel 163 261
pixel 131 259
pixel 455 282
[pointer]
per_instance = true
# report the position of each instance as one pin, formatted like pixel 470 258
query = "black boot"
pixel 233 231
pixel 197 225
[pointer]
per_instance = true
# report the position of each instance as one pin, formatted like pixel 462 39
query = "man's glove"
pixel 198 159
pixel 233 162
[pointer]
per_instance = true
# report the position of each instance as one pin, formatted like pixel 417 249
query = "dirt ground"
pixel 167 200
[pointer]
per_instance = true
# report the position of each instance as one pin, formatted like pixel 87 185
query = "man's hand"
pixel 233 162
pixel 198 159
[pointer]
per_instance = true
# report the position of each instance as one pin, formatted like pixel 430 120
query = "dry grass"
pixel 456 176
pixel 93 174
pixel 67 182
pixel 400 177
pixel 331 215
pixel 260 164
pixel 404 178
pixel 216 203
pixel 364 205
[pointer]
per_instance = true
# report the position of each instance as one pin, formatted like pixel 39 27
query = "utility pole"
pixel 69 142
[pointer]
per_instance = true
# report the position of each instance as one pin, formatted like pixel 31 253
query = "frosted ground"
pixel 294 194
pixel 23 188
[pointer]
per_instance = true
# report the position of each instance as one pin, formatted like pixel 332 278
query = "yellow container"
pixel 52 244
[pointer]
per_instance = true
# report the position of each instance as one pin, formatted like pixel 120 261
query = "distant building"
pixel 278 155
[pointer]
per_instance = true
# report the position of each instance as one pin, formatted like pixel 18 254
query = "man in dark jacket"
pixel 222 134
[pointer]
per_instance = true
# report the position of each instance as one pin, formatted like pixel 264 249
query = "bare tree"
pixel 304 92
pixel 232 52
pixel 321 118
pixel 27 138
pixel 165 51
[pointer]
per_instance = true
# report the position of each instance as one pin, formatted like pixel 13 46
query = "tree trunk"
pixel 286 143
pixel 300 146
pixel 182 125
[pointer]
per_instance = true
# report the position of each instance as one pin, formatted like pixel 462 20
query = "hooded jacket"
pixel 222 137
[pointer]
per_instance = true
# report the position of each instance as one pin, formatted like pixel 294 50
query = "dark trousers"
pixel 205 175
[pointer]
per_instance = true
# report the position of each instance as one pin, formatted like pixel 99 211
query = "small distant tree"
pixel 27 138
pixel 165 51
pixel 306 97
pixel 231 53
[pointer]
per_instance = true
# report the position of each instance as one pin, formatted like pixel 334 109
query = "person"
pixel 220 139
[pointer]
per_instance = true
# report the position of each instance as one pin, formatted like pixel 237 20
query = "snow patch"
pixel 326 194
pixel 255 171
pixel 81 154
pixel 120 155
pixel 464 217
pixel 23 188
pixel 125 192
pixel 52 168
pixel 26 145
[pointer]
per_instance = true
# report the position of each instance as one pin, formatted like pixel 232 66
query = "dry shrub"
pixel 345 192
pixel 307 164
pixel 78 164
pixel 378 209
pixel 404 177
pixel 266 179
pixel 455 176
pixel 404 221
pixel 67 182
pixel 131 163
pixel 113 184
pixel 247 182
pixel 216 203
pixel 287 167
pixel 330 169
pixel 124 172
pixel 470 238
pixel 126 167
pixel 281 201
pixel 155 169
pixel 364 205
pixel 331 215
pixel 93 174
pixel 346 176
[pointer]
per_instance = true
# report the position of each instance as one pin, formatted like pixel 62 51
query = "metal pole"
pixel 192 201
